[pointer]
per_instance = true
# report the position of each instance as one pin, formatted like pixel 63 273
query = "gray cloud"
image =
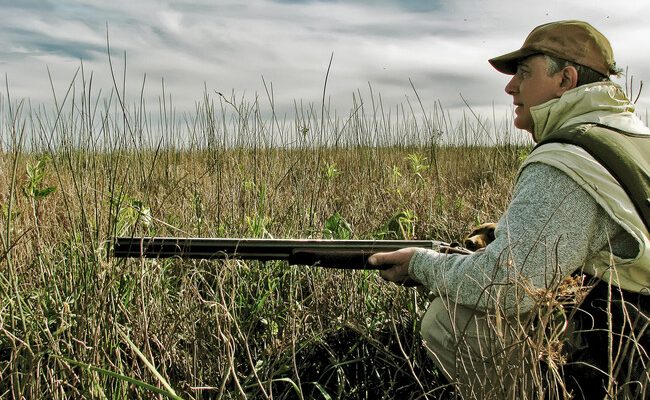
pixel 229 45
pixel 406 5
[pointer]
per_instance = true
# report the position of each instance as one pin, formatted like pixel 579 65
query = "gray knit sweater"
pixel 551 228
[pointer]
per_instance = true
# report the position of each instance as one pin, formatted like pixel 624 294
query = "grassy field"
pixel 76 323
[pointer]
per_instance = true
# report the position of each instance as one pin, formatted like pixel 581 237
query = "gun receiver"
pixel 345 254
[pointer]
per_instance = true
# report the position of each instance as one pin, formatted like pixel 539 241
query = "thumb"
pixel 378 259
pixel 373 260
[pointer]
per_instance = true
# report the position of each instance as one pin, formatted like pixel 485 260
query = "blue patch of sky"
pixel 63 9
pixel 38 43
pixel 40 5
pixel 76 50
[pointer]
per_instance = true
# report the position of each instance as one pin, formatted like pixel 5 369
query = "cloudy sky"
pixel 441 46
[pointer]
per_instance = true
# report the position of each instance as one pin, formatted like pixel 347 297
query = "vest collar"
pixel 600 102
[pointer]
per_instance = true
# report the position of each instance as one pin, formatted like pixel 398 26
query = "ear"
pixel 569 76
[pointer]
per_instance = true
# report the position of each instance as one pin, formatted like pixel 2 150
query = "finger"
pixel 390 275
pixel 385 274
pixel 396 275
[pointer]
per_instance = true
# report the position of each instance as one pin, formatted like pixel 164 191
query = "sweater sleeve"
pixel 551 228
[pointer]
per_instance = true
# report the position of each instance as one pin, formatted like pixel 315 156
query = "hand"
pixel 397 265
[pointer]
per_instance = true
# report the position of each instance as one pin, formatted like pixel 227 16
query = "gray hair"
pixel 585 74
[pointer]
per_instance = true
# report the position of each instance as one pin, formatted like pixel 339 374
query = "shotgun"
pixel 345 254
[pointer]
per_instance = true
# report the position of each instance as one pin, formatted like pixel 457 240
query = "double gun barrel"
pixel 345 254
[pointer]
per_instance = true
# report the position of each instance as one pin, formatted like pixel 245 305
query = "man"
pixel 568 217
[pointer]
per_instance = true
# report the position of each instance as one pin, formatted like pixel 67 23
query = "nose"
pixel 512 86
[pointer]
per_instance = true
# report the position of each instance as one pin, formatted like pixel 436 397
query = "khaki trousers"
pixel 599 349
pixel 482 355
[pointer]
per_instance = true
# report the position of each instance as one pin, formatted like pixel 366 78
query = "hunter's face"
pixel 531 85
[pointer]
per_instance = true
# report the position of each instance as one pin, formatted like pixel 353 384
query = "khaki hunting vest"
pixel 614 168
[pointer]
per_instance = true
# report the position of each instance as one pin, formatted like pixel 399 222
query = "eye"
pixel 522 72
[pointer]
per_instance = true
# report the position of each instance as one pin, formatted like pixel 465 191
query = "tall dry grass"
pixel 76 323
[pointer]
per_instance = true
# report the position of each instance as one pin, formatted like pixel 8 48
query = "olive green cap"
pixel 574 41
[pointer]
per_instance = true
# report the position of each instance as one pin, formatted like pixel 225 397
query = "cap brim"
pixel 507 63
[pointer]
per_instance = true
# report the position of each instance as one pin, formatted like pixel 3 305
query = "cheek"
pixel 540 93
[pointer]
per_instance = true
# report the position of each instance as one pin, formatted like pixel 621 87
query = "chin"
pixel 522 125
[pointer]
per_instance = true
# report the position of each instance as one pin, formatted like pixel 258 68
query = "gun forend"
pixel 347 254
